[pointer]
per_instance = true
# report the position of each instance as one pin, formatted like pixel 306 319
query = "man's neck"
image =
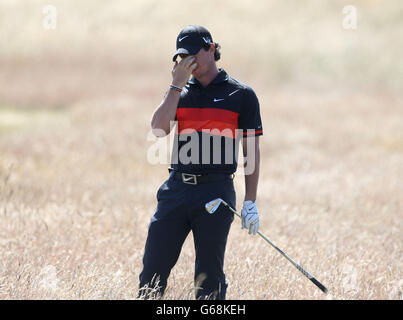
pixel 208 76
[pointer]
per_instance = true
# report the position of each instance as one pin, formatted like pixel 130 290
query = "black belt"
pixel 194 179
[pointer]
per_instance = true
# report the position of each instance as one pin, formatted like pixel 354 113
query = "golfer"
pixel 213 112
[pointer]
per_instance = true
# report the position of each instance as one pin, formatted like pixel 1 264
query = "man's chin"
pixel 196 73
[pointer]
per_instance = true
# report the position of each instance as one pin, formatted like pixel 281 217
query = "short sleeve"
pixel 249 121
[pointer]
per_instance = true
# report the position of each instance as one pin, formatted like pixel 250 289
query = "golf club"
pixel 213 205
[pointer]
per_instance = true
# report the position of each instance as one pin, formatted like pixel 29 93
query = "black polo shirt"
pixel 210 122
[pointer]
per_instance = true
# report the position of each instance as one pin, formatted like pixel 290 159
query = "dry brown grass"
pixel 77 192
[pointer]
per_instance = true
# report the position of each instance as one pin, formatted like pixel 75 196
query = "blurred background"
pixel 79 81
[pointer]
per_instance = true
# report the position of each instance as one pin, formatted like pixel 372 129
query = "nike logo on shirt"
pixel 233 92
pixel 216 100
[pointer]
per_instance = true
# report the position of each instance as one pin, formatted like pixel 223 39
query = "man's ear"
pixel 212 48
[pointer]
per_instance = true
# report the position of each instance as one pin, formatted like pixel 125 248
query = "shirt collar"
pixel 221 76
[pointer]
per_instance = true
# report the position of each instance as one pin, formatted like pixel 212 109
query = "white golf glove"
pixel 250 217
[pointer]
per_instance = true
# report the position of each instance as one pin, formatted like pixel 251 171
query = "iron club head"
pixel 213 205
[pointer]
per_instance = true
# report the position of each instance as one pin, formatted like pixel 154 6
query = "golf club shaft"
pixel 302 270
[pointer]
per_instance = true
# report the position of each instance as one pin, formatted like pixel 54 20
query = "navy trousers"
pixel 181 209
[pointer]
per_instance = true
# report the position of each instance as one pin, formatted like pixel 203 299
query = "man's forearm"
pixel 251 180
pixel 165 113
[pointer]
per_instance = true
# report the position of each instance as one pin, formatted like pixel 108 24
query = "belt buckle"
pixel 189 178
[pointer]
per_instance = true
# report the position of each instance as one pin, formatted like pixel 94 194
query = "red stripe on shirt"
pixel 252 132
pixel 210 120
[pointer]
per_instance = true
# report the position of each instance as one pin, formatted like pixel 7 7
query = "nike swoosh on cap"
pixel 180 39
pixel 216 100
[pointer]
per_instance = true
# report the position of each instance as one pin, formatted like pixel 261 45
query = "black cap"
pixel 191 39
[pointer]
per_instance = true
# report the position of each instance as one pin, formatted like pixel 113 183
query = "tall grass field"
pixel 77 189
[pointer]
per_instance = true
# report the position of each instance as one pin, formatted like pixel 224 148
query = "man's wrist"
pixel 248 198
pixel 175 88
pixel 178 84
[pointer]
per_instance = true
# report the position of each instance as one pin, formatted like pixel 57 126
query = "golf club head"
pixel 213 205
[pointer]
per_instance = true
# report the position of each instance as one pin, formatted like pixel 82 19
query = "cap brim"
pixel 180 51
pixel 191 51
